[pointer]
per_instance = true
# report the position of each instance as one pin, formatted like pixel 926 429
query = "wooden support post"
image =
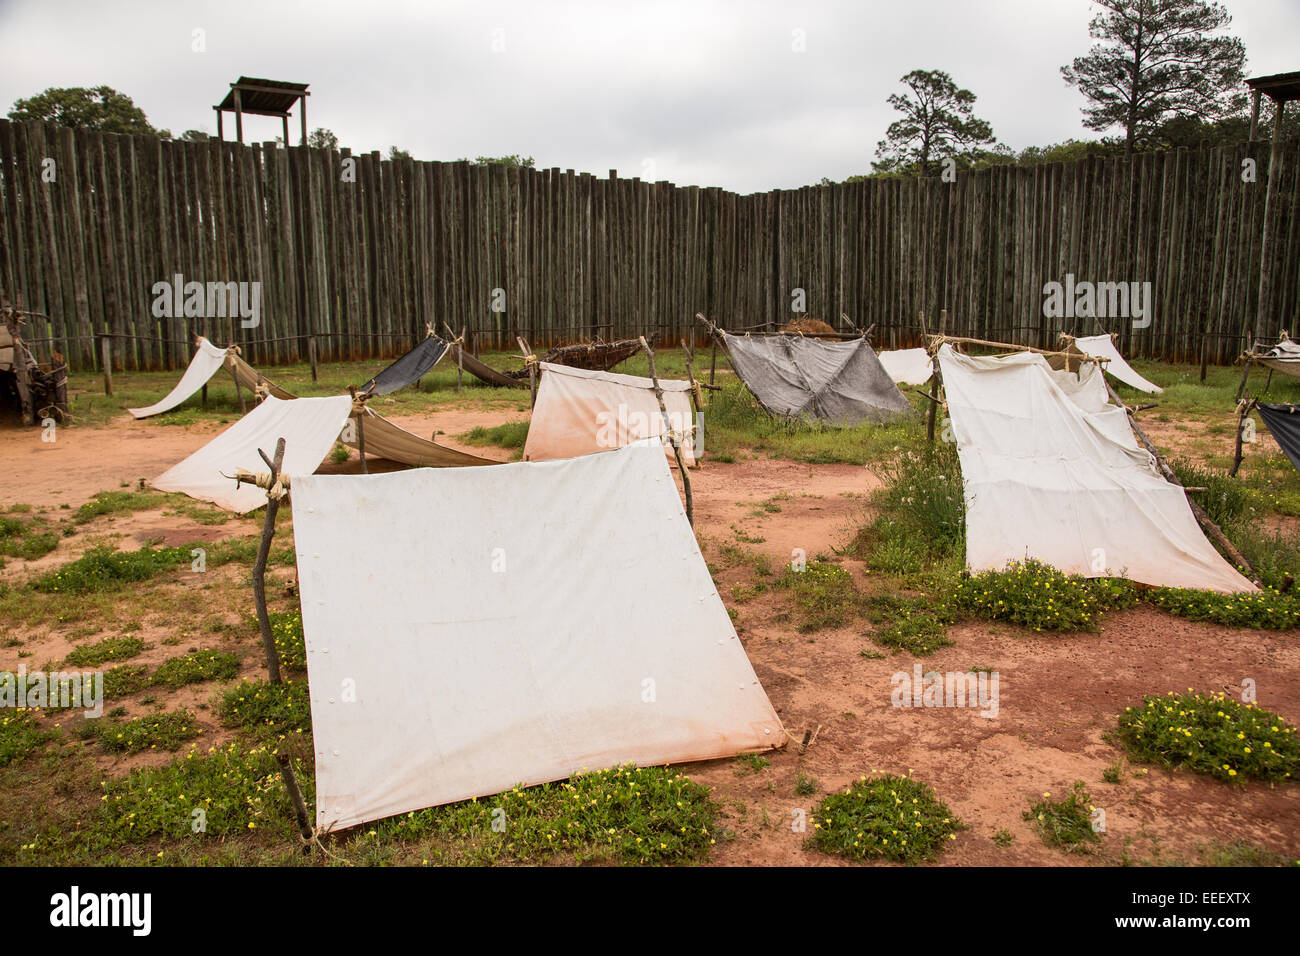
pixel 268 638
pixel 460 359
pixel 311 356
pixel 361 431
pixel 672 435
pixel 845 317
pixel 106 357
pixel 1245 373
pixel 697 400
pixel 239 393
pixel 532 370
pixel 935 399
pixel 1207 524
pixel 302 119
pixel 239 119
pixel 1243 409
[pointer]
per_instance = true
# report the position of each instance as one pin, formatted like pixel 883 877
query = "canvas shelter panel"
pixel 207 360
pixel 309 427
pixel 387 440
pixel 581 411
pixel 253 380
pixel 494 640
pixel 1284 422
pixel 408 369
pixel 1103 346
pixel 1051 471
pixel 840 383
pixel 485 373
pixel 907 366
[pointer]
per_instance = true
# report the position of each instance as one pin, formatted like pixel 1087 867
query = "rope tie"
pixel 262 479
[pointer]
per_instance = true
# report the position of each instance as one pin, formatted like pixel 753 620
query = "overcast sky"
pixel 707 92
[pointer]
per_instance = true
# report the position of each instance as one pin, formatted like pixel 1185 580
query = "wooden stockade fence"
pixel 363 266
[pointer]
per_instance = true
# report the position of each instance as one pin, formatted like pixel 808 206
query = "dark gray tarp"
pixel 1284 422
pixel 408 369
pixel 840 383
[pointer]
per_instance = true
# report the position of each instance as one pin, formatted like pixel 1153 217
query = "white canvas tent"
pixel 309 426
pixel 207 359
pixel 492 640
pixel 1052 471
pixel 1103 346
pixel 907 366
pixel 580 411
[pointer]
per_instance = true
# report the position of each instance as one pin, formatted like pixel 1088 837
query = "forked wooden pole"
pixel 361 431
pixel 531 362
pixel 268 639
pixel 1243 409
pixel 672 435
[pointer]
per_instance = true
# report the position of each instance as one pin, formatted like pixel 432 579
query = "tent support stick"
pixel 268 640
pixel 1207 523
pixel 460 361
pixel 531 361
pixel 695 392
pixel 1245 373
pixel 238 391
pixel 672 435
pixel 932 411
pixel 1243 409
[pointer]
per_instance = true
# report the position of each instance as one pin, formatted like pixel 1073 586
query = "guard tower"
pixel 263 98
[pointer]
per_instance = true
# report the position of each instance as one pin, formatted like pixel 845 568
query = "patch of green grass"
pixel 1065 823
pixel 109 649
pixel 737 424
pixel 824 595
pixel 631 815
pixel 753 762
pixel 1240 853
pixel 735 556
pixel 126 679
pixel 1036 595
pixel 103 569
pixel 1213 735
pixel 1267 609
pixel 286 629
pixel 26 539
pixel 508 435
pixel 918 626
pixel 150 732
pixel 20 735
pixel 804 785
pixel 195 667
pixel 891 817
pixel 264 707
pixel 113 502
pixel 1004 838
pixel 235 789
pixel 922 512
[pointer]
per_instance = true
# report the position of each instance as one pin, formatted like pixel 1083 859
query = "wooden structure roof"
pixel 263 98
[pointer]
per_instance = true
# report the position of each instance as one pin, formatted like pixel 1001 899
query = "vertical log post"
pixel 361 429
pixel 696 400
pixel 268 638
pixel 530 361
pixel 460 359
pixel 311 344
pixel 106 357
pixel 1243 409
pixel 672 435
pixel 239 392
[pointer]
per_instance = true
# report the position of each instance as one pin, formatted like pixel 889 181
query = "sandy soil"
pixel 1058 695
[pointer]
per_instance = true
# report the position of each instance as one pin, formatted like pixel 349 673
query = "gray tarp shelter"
pixel 839 383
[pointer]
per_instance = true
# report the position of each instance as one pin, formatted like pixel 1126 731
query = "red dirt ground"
pixel 1059 695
